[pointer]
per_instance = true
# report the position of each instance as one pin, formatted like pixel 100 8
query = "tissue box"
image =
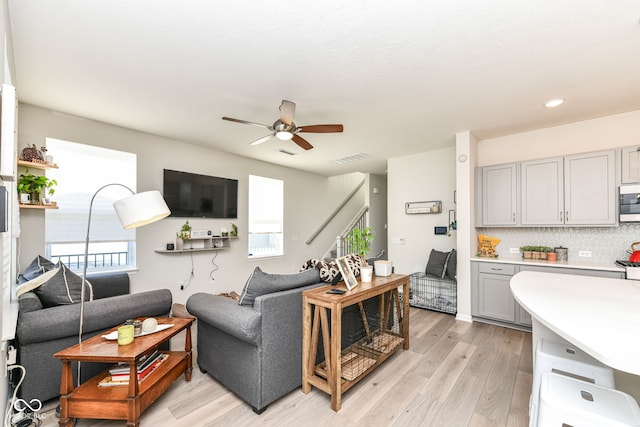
pixel 383 268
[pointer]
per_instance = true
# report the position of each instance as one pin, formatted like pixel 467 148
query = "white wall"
pixel 618 130
pixel 376 195
pixel 309 199
pixel 421 177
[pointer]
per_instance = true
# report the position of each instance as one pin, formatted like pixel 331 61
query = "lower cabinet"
pixel 491 297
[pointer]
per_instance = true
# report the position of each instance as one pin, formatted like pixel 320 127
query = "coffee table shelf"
pixel 125 402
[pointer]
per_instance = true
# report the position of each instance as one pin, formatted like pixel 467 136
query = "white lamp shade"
pixel 141 209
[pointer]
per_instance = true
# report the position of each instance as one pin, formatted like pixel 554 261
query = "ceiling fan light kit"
pixel 284 129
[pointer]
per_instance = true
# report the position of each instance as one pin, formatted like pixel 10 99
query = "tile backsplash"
pixel 606 244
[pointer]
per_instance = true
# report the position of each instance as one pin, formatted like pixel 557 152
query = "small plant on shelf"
pixel 35 186
pixel 185 231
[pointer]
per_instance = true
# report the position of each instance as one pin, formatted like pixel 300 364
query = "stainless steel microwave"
pixel 629 203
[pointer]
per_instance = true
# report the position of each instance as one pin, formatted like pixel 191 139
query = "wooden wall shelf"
pixel 194 245
pixel 36 165
pixel 53 205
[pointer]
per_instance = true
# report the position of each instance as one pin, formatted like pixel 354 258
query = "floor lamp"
pixel 133 211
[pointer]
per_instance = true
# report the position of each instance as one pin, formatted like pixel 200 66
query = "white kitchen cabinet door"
pixel 631 165
pixel 499 195
pixel 590 189
pixel 495 300
pixel 542 192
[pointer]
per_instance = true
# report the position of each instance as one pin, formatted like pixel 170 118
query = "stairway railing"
pixel 340 247
pixel 334 213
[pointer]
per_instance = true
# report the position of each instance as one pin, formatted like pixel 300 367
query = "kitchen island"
pixel 601 316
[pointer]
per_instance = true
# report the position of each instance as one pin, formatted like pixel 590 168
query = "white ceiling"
pixel 403 77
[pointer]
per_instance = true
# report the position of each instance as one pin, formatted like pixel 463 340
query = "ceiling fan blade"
pixel 261 140
pixel 303 143
pixel 287 111
pixel 321 128
pixel 246 122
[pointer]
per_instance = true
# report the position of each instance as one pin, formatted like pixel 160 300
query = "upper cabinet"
pixel 542 188
pixel 499 195
pixel 590 189
pixel 571 190
pixel 631 165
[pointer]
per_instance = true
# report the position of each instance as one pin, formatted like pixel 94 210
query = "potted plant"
pixel 551 255
pixel 359 240
pixel 183 235
pixel 527 252
pixel 35 186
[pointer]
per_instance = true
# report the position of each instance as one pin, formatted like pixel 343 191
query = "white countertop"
pixel 584 265
pixel 599 315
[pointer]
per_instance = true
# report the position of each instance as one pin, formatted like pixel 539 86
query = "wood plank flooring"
pixel 455 374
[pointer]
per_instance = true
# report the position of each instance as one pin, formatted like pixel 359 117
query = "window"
pixel 266 207
pixel 83 170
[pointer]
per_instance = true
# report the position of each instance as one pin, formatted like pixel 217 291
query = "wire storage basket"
pixel 369 338
pixel 433 293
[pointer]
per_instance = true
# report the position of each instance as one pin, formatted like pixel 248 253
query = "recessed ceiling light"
pixel 554 102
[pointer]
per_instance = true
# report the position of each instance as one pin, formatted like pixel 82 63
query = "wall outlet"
pixel 514 250
pixel 586 254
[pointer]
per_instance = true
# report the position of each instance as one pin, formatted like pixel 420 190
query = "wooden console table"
pixel 89 400
pixel 322 315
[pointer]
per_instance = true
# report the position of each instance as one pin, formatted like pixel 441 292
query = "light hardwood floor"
pixel 455 374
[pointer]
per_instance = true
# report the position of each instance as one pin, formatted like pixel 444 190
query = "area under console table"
pixel 344 367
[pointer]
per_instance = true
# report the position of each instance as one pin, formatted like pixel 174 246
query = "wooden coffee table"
pixel 89 400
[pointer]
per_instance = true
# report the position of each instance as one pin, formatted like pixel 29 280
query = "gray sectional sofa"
pixel 42 331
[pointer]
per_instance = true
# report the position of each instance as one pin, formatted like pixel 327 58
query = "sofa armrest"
pixel 64 320
pixel 227 315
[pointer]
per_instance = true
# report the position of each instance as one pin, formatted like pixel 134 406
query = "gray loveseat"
pixel 41 332
pixel 255 350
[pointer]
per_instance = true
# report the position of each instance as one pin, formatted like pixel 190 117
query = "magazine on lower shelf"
pixel 122 380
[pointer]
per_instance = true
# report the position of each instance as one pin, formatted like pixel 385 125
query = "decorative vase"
pixel 25 198
pixel 366 273
pixel 552 256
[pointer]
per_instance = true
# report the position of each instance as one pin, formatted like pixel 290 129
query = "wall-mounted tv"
pixel 191 195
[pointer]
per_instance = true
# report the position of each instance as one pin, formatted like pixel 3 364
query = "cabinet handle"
pixel 514 217
pixel 495 269
pixel 566 216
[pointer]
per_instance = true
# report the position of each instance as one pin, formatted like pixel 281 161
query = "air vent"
pixel 351 158
pixel 287 152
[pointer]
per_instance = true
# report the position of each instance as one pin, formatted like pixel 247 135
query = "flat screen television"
pixel 191 195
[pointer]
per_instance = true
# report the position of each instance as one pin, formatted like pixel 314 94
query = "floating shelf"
pixel 53 205
pixel 36 165
pixel 208 244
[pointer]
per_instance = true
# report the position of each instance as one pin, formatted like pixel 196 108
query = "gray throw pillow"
pixel 38 266
pixel 452 265
pixel 64 287
pixel 437 264
pixel 261 283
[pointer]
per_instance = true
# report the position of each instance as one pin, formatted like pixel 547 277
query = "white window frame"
pixel 266 217
pixel 104 166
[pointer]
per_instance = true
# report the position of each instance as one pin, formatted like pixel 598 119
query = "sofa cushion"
pixel 260 283
pixel 61 287
pixel 452 265
pixel 437 264
pixel 38 266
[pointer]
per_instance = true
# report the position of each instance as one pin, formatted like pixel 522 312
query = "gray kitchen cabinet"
pixel 570 190
pixel 492 298
pixel 590 189
pixel 499 195
pixel 542 188
pixel 631 164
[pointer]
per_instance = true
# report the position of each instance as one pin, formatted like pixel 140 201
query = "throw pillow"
pixel 437 264
pixel 63 287
pixel 38 266
pixel 452 265
pixel 329 270
pixel 261 283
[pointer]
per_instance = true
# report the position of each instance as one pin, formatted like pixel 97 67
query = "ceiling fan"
pixel 284 128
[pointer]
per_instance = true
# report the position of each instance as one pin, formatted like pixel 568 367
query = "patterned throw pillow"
pixel 329 270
